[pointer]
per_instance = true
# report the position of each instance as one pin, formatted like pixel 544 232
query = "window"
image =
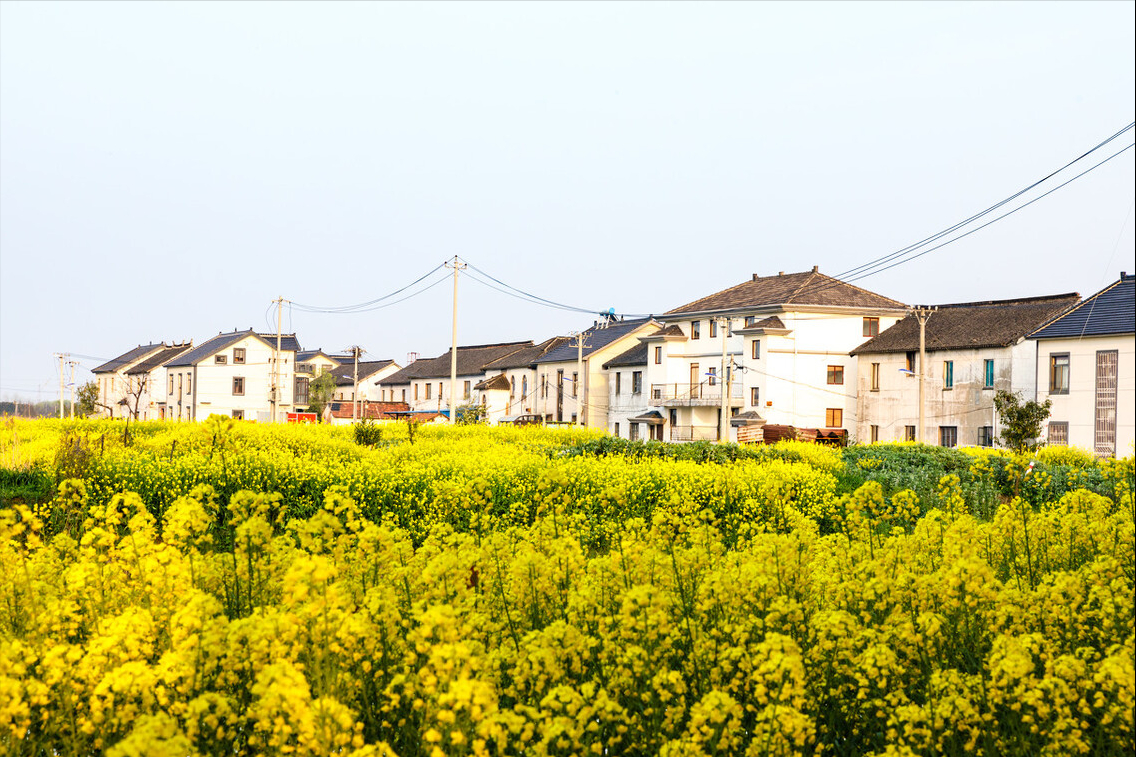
pixel 617 428
pixel 909 433
pixel 833 417
pixel 696 329
pixel 439 390
pixel 871 327
pixel 637 382
pixel 750 320
pixel 713 373
pixel 415 392
pixel 239 355
pixel 512 387
pixel 875 377
pixel 1059 373
pixel 988 374
pixel 633 431
pixel 754 396
pixel 658 355
pixel 239 415
pixel 575 384
pixel 948 374
pixel 301 390
pixel 189 384
pixel 948 436
pixel 524 387
pixel 910 364
pixel 429 389
pixel 171 384
pixel 836 374
pixel 755 350
pixel 875 433
pixel 1059 433
pixel 713 328
pixel 220 359
pixel 465 390
pixel 544 385
pixel 985 436
pixel 404 395
pixel 238 385
pixel 618 382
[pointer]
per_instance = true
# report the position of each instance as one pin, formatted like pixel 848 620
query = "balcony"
pixel 694 433
pixel 695 395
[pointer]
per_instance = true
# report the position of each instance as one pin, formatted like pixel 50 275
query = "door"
pixel 695 383
pixel 559 396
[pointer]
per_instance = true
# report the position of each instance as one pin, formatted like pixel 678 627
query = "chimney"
pixel 815 268
pixel 780 273
pixel 756 277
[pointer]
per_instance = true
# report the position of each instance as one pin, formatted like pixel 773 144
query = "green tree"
pixel 320 392
pixel 1021 420
pixel 470 414
pixel 88 399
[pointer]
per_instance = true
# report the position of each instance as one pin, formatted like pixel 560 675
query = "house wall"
pixel 439 392
pixel 626 404
pixel 212 390
pixel 1078 407
pixel 968 405
pixel 368 391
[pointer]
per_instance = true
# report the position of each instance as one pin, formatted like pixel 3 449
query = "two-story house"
pixel 121 387
pixel 781 342
pixel 148 379
pixel 367 373
pixel 628 413
pixel 510 384
pixel 425 384
pixel 571 383
pixel 1086 365
pixel 236 374
pixel 973 350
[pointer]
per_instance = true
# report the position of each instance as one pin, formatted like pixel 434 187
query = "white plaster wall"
pixel 213 392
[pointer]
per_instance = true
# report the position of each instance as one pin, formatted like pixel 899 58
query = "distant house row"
pixel 792 351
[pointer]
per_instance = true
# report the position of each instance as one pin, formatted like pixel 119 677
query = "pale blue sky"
pixel 166 169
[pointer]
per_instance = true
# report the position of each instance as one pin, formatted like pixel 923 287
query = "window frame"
pixel 871 326
pixel 238 356
pixel 875 377
pixel 1053 366
pixel 909 434
pixel 948 436
pixel 713 328
pixel 755 396
pixel 658 354
pixel 988 373
pixel 834 417
pixel 835 375
pixel 1060 440
pixel 948 374
pixel 637 382
pixel 220 359
pixel 755 349
pixel 238 386
pixel 696 330
pixel 985 436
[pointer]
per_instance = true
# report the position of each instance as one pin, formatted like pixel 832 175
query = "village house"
pixel 628 413
pixel 1086 365
pixel 233 374
pixel 123 389
pixel 571 382
pixel 510 386
pixel 425 384
pixel 368 373
pixel 973 350
pixel 784 342
pixel 149 379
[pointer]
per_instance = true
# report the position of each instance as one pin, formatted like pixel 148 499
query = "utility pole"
pixel 457 266
pixel 580 338
pixel 355 350
pixel 922 314
pixel 71 383
pixel 276 359
pixel 724 420
pixel 61 356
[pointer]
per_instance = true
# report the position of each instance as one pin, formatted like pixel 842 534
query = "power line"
pixel 369 305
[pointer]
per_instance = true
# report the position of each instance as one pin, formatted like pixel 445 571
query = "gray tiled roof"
pixel 971 325
pixel 805 288
pixel 595 338
pixel 345 374
pixel 1110 311
pixel 528 356
pixel 634 357
pixel 471 360
pixel 288 343
pixel 127 358
pixel 160 357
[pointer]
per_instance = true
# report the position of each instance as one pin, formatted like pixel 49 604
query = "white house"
pixel 148 379
pixel 233 374
pixel 973 350
pixel 1086 364
pixel 368 373
pixel 510 386
pixel 783 341
pixel 125 391
pixel 425 384
pixel 563 390
pixel 628 413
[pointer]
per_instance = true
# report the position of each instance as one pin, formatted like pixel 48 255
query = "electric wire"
pixel 367 306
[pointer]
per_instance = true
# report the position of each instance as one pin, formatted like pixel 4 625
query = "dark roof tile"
pixel 595 338
pixel 805 288
pixel 1110 311
pixel 126 358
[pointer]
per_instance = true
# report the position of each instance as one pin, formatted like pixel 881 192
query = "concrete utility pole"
pixel 61 356
pixel 457 266
pixel 276 360
pixel 922 314
pixel 71 364
pixel 355 350
pixel 580 339
pixel 724 421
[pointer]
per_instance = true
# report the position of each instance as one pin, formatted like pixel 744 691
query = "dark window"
pixel 658 355
pixel 239 355
pixel 429 389
pixel 754 396
pixel 575 384
pixel 633 431
pixel 988 374
pixel 909 433
pixel 1059 373
pixel 875 377
pixel 713 328
pixel 948 374
pixel 713 373
pixel 618 385
pixel 512 387
pixel 238 385
pixel 875 433
pixel 833 417
pixel 301 390
pixel 836 374
pixel 171 384
pixel 465 390
pixel 985 436
pixel 1058 433
pixel 220 359
pixel 696 329
pixel 948 436
pixel 617 428
pixel 910 365
pixel 239 415
pixel 637 382
pixel 871 327
pixel 755 351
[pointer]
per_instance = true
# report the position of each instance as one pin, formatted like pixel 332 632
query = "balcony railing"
pixel 694 433
pixel 675 395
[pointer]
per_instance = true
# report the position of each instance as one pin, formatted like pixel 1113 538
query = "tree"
pixel 1021 421
pixel 320 392
pixel 471 414
pixel 88 401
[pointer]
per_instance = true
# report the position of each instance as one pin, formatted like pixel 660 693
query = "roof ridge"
pixel 812 274
pixel 859 288
pixel 1006 303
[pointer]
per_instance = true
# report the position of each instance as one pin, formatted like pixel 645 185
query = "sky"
pixel 168 169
